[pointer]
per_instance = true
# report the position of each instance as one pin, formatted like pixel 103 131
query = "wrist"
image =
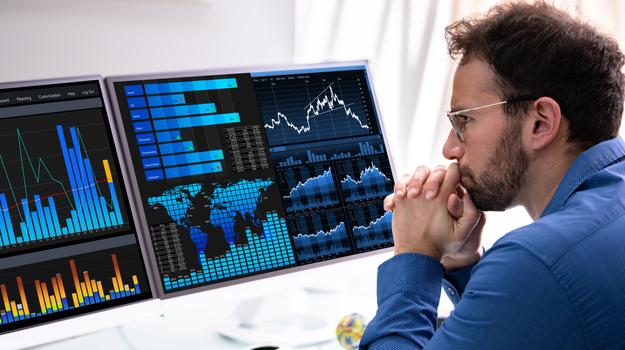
pixel 432 252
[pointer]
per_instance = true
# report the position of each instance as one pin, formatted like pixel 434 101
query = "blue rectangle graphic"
pixel 133 90
pixel 176 147
pixel 153 175
pixel 195 169
pixel 190 86
pixel 148 151
pixel 151 163
pixel 136 102
pixel 145 139
pixel 203 120
pixel 139 114
pixel 195 157
pixel 165 100
pixel 168 136
pixel 142 126
pixel 181 111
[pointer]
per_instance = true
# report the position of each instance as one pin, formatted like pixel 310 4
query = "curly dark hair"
pixel 538 50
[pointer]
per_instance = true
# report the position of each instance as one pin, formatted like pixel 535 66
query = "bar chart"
pixel 79 203
pixel 52 288
pixel 162 114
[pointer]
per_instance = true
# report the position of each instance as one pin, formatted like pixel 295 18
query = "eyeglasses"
pixel 458 119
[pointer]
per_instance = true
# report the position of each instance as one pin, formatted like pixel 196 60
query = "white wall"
pixel 52 38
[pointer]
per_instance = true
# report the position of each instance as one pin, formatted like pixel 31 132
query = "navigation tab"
pixel 56 93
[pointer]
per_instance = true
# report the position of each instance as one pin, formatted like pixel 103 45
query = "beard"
pixel 500 182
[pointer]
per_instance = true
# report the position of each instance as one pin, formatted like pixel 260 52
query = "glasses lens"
pixel 456 127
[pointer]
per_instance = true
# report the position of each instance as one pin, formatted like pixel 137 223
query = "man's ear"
pixel 545 120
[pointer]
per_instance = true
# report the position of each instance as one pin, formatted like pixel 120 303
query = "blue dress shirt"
pixel 558 283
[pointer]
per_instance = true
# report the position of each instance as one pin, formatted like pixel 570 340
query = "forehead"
pixel 474 82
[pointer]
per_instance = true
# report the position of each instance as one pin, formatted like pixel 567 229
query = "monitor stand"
pixel 283 319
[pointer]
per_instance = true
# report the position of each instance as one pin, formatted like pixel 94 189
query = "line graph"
pixel 314 107
pixel 365 178
pixel 319 234
pixel 308 187
pixel 372 226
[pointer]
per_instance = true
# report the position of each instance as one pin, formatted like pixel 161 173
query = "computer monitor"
pixel 247 173
pixel 68 243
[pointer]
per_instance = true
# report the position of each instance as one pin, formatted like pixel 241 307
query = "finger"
pixel 454 205
pixel 416 182
pixel 432 185
pixel 400 187
pixel 452 180
pixel 470 214
pixel 388 202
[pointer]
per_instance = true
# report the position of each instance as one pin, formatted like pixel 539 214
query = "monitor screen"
pixel 68 245
pixel 242 173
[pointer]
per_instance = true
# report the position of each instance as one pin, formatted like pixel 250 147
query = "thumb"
pixel 470 216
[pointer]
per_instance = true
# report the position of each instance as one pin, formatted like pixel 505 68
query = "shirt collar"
pixel 587 163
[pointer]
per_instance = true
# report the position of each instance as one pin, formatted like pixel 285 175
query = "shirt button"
pixel 451 291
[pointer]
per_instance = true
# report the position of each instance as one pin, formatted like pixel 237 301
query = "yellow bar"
pixel 115 288
pixel 57 294
pixel 75 300
pixel 44 290
pixel 126 288
pixel 42 303
pixel 14 308
pixel 20 286
pixel 84 289
pixel 107 170
pixel 20 312
pixel 101 290
pixel 7 305
pixel 132 290
pixel 108 297
pixel 94 287
pixel 88 283
pixel 53 302
pixel 135 280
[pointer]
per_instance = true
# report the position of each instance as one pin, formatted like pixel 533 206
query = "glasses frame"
pixel 459 128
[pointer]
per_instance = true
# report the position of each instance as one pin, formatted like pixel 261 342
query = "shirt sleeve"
pixel 512 301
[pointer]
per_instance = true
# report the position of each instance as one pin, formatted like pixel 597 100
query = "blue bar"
pixel 164 100
pixel 196 157
pixel 65 305
pixel 176 147
pixel 98 220
pixel 190 86
pixel 5 241
pixel 154 175
pixel 107 219
pixel 24 229
pixel 10 317
pixel 168 136
pixel 4 319
pixel 148 151
pixel 51 229
pixel 42 217
pixel 91 214
pixel 29 221
pixel 142 126
pixel 75 220
pixel 195 169
pixel 181 111
pixel 151 163
pixel 7 233
pixel 133 90
pixel 145 139
pixel 136 102
pixel 190 122
pixel 37 225
pixel 82 212
pixel 68 166
pixel 70 226
pixel 65 231
pixel 55 215
pixel 139 114
pixel 116 208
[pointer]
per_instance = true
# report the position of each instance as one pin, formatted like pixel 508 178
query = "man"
pixel 536 109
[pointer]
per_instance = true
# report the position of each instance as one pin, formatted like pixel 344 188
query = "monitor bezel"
pixel 130 200
pixel 110 83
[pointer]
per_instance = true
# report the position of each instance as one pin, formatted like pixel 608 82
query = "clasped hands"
pixel 433 215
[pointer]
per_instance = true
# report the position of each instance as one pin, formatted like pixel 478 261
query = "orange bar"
pixel 117 273
pixel 7 305
pixel 20 286
pixel 57 294
pixel 83 288
pixel 75 300
pixel 101 290
pixel 135 280
pixel 107 170
pixel 94 287
pixel 59 280
pixel 126 288
pixel 72 265
pixel 115 288
pixel 14 309
pixel 42 303
pixel 46 296
pixel 88 283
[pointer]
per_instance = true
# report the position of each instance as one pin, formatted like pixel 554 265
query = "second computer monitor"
pixel 244 173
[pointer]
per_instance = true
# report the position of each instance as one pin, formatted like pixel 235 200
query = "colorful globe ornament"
pixel 350 330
